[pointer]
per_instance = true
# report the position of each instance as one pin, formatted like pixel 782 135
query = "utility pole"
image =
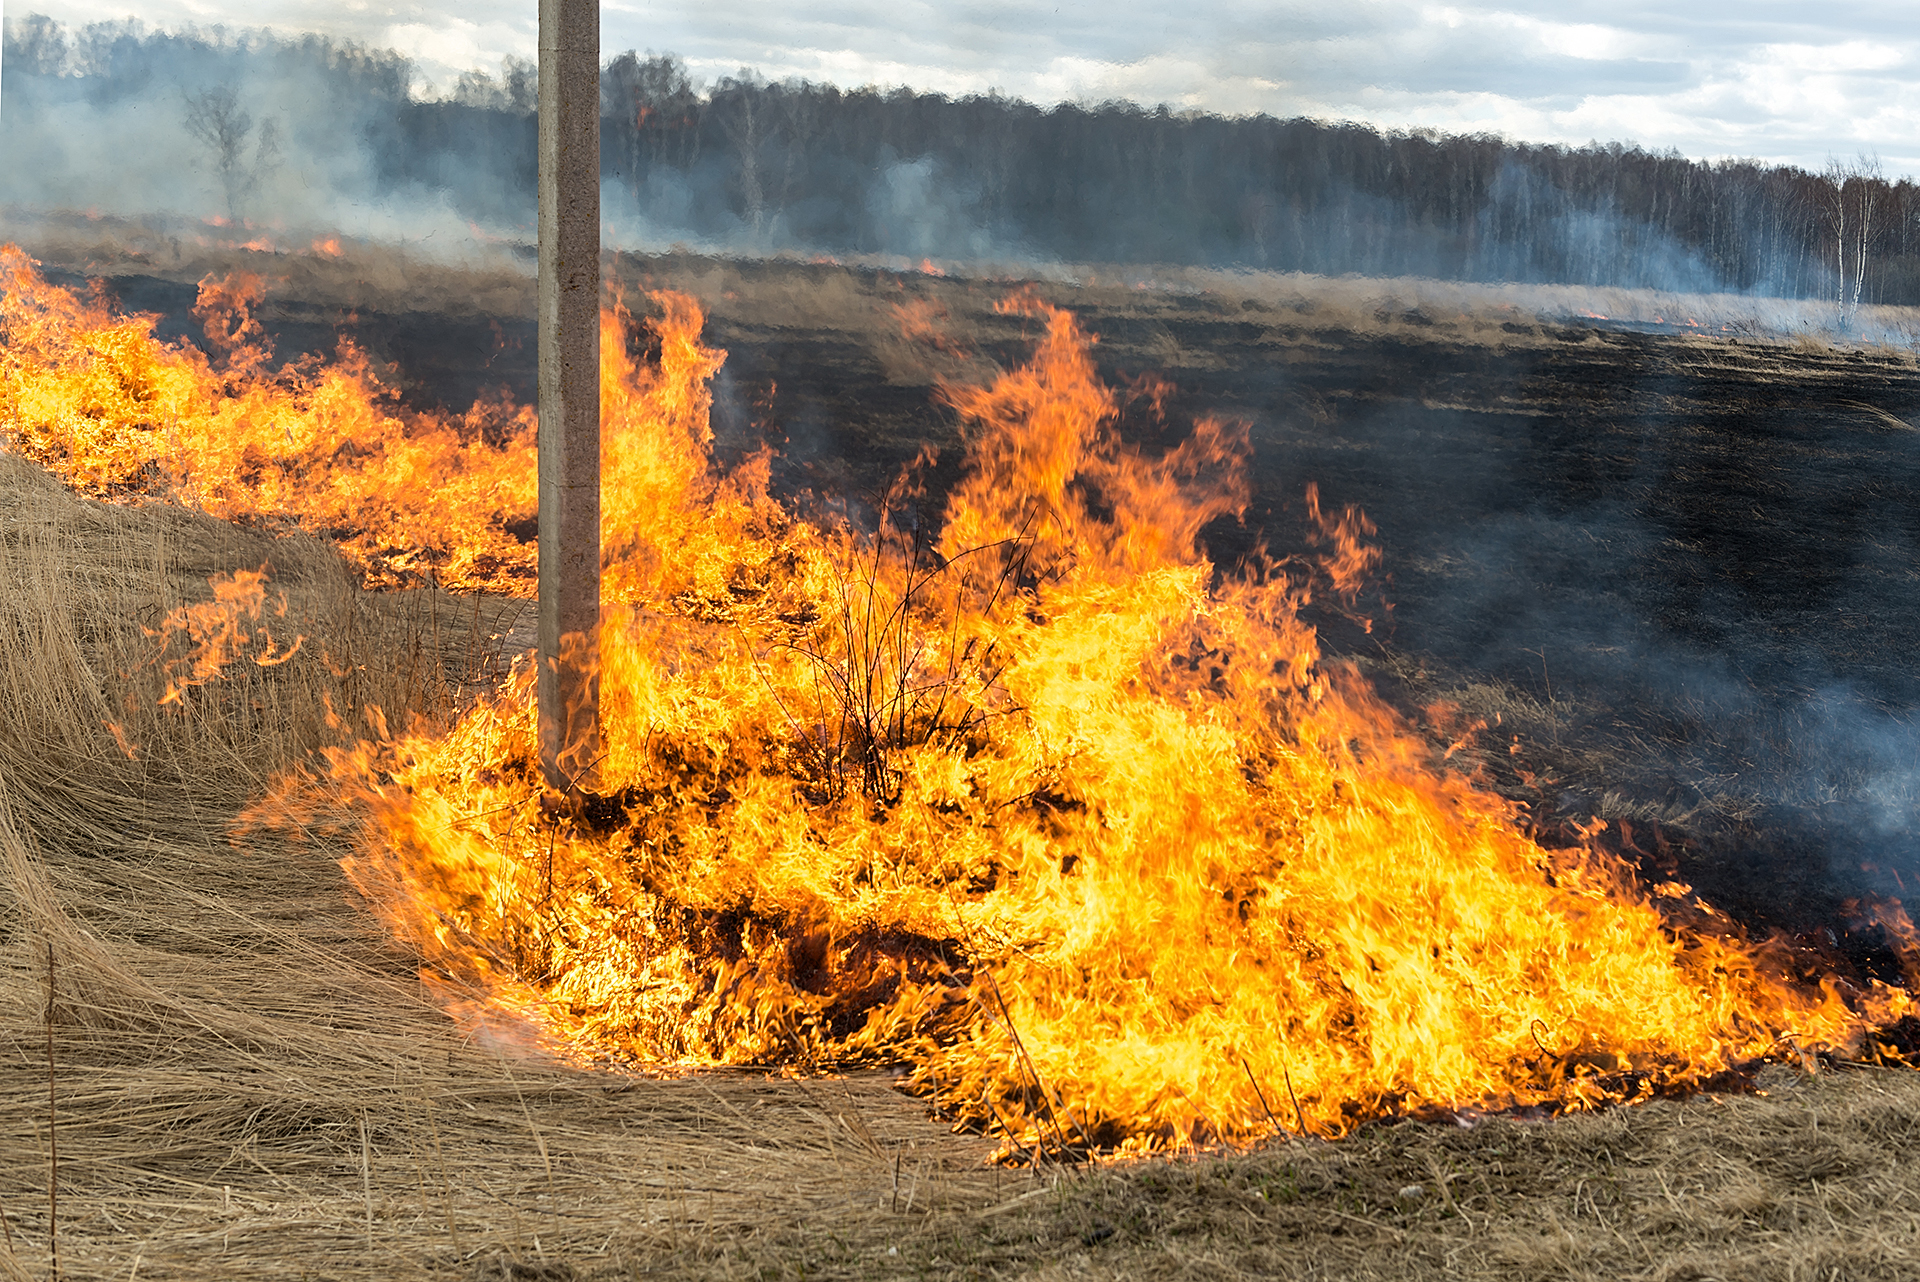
pixel 569 676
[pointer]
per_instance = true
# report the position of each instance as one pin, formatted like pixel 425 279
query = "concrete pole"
pixel 569 677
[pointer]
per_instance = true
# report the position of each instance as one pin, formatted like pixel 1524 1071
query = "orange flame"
pixel 1044 805
pixel 1041 803
pixel 216 635
pixel 95 397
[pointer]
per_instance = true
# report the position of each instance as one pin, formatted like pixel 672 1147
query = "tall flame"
pixel 1040 802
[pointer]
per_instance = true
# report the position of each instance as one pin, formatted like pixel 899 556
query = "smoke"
pixel 913 209
pixel 251 132
pixel 1537 234
pixel 1723 704
pixel 1692 620
pixel 280 141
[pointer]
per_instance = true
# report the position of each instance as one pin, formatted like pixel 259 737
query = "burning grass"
pixel 244 1064
pixel 249 1079
pixel 1034 799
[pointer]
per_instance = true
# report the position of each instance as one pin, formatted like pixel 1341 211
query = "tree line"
pixel 751 165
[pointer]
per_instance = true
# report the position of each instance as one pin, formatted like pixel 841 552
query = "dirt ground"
pixel 1642 553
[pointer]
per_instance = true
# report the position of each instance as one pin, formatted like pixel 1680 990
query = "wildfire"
pixel 94 396
pixel 1039 802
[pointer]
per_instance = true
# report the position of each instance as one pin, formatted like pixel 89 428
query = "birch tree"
pixel 1852 192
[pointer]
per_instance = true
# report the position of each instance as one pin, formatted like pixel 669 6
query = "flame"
pixel 1032 798
pixel 217 636
pixel 330 247
pixel 1045 805
pixel 99 400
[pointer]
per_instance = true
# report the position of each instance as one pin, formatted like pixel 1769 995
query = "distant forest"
pixel 746 165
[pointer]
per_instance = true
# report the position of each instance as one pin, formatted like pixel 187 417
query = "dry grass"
pixel 488 279
pixel 496 279
pixel 1809 1182
pixel 248 1078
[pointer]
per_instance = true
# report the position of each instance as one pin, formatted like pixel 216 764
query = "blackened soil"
pixel 1676 575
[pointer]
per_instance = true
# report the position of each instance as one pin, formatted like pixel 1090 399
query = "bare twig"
pixel 440 1159
pixel 1262 1097
pixel 1037 1154
pixel 1534 1026
pixel 366 1176
pixel 1046 1095
pixel 539 1142
pixel 1299 1119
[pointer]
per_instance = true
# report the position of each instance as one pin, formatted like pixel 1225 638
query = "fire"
pixel 1033 798
pixel 217 633
pixel 94 396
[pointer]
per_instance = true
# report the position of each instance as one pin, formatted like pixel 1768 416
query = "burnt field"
pixel 1673 569
pixel 1662 579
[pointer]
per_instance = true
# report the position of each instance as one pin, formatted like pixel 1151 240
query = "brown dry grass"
pixel 248 1079
pixel 1811 1181
pixel 488 279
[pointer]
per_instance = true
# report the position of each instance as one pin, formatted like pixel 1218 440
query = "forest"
pixel 745 165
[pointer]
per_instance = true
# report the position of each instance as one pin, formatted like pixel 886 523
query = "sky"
pixel 1794 83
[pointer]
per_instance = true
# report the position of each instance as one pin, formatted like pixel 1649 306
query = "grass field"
pixel 217 1064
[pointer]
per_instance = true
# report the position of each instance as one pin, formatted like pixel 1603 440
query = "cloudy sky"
pixel 1794 82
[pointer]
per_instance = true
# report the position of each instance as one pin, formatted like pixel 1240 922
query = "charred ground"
pixel 1672 571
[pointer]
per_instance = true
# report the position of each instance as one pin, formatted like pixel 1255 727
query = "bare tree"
pixel 1852 192
pixel 517 90
pixel 652 115
pixel 800 109
pixel 743 117
pixel 216 118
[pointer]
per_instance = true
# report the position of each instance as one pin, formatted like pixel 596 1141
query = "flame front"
pixel 1039 802
pixel 113 411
